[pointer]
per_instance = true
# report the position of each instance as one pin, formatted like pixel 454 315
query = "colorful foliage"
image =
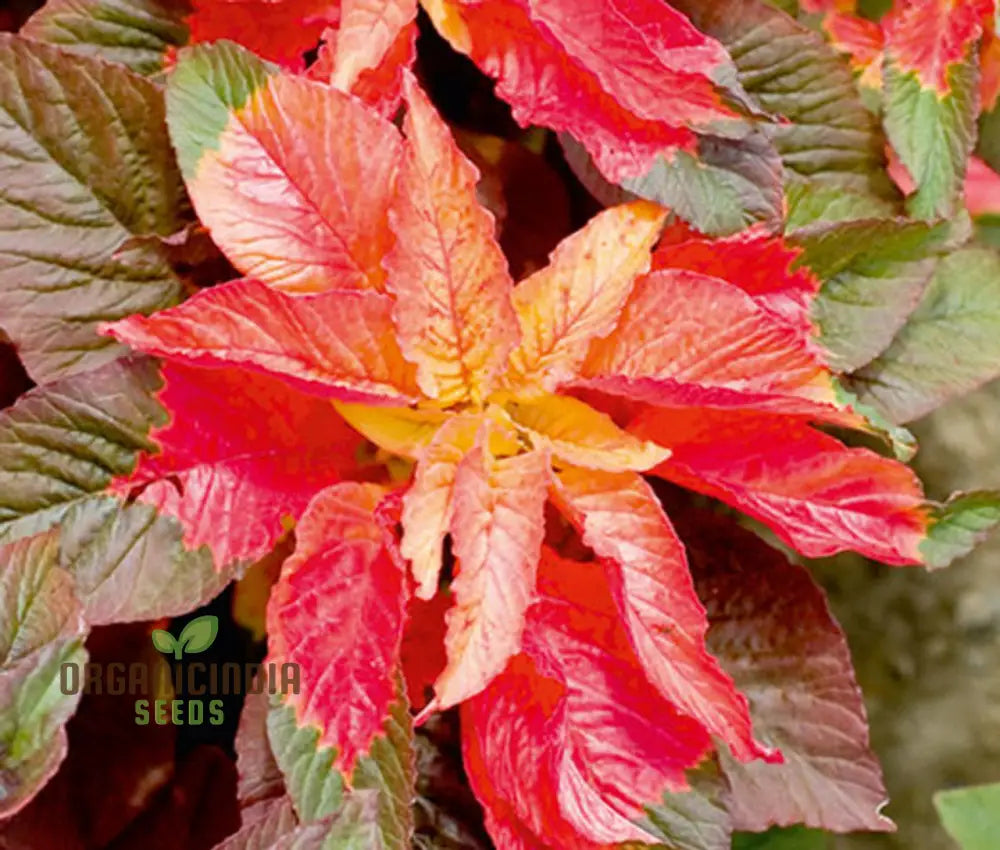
pixel 474 470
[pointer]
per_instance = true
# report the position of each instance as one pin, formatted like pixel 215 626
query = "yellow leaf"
pixel 580 435
pixel 399 430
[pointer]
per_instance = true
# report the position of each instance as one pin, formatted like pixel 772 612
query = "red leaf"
pixel 620 518
pixel 241 452
pixel 279 30
pixel 568 743
pixel 819 496
pixel 712 344
pixel 338 344
pixel 450 278
pixel 497 529
pixel 930 36
pixel 982 189
pixel 756 262
pixel 627 80
pixel 337 611
pixel 423 653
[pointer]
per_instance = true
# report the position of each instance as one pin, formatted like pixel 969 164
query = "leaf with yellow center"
pixel 579 435
pixel 452 312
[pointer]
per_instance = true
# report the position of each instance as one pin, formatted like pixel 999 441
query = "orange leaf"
pixel 629 81
pixel 337 344
pixel 367 33
pixel 497 529
pixel 819 496
pixel 428 505
pixel 581 292
pixel 711 343
pixel 287 206
pixel 400 430
pixel 452 288
pixel 757 262
pixel 570 743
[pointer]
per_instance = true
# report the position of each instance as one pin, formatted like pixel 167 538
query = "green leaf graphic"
pixel 163 641
pixel 198 635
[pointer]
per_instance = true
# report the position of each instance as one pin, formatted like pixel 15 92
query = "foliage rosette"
pixel 379 309
pixel 487 481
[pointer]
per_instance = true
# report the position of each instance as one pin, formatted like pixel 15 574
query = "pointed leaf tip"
pixel 959 525
pixel 453 311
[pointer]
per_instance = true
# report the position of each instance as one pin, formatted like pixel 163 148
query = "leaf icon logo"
pixel 197 636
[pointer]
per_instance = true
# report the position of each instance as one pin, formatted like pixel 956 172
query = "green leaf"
pixel 316 789
pixel 933 135
pixel 987 231
pixel 134 33
pixel 959 525
pixel 811 203
pixel 163 641
pixel 874 273
pixel 823 132
pixel 61 446
pixel 696 819
pixel 793 838
pixel 949 346
pixel 41 629
pixel 209 83
pixel 85 166
pixel 988 141
pixel 729 185
pixel 199 634
pixel 971 815
pixel 379 806
pixel 351 828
